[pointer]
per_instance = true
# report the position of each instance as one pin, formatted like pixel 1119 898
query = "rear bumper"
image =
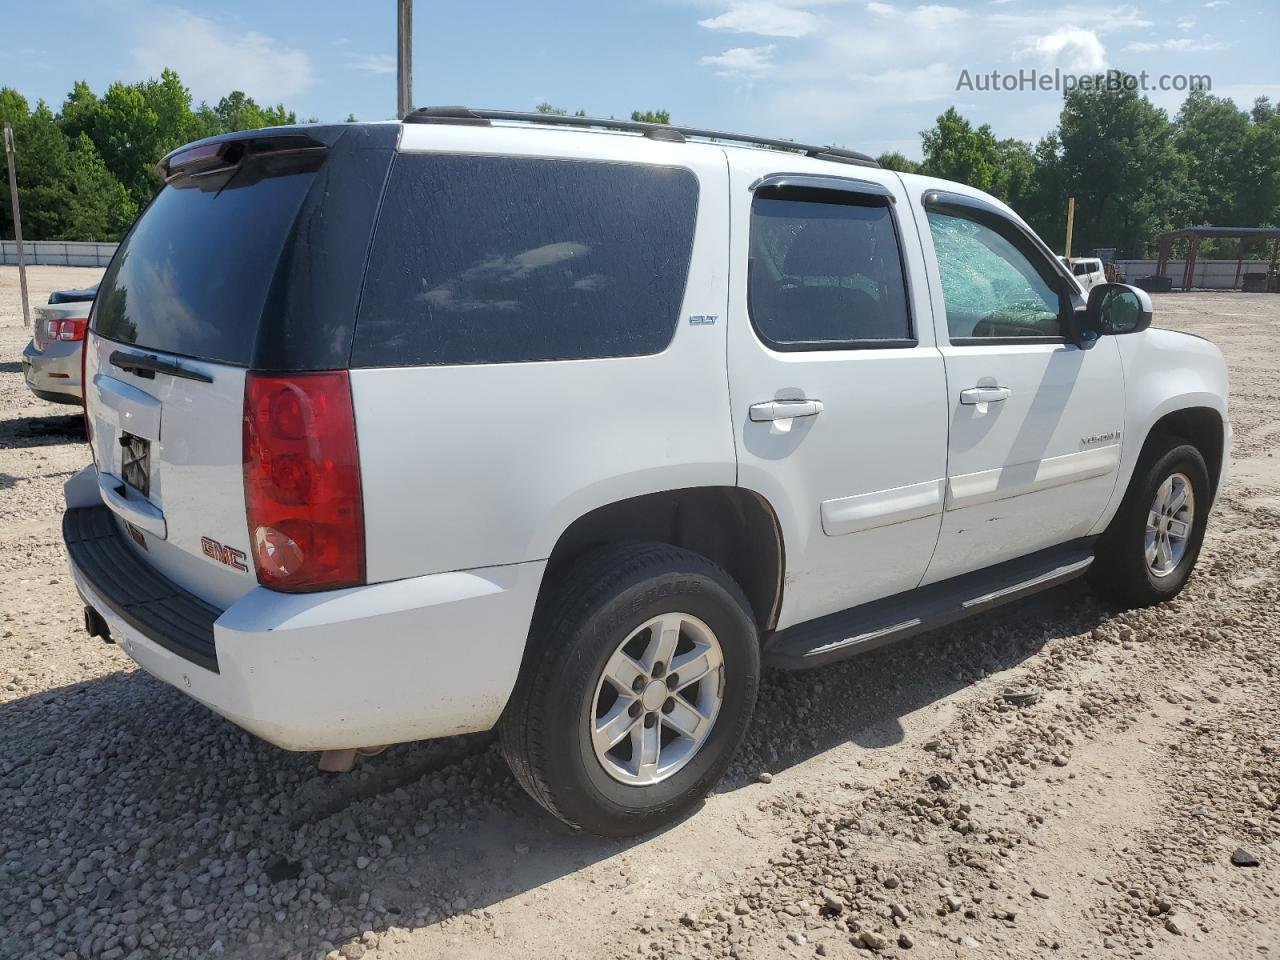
pixel 54 372
pixel 385 663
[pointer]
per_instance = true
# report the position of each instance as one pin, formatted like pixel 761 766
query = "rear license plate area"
pixel 135 463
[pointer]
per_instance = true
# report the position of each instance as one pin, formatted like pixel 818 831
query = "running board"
pixel 850 632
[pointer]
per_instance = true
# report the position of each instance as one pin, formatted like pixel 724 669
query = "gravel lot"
pixel 896 804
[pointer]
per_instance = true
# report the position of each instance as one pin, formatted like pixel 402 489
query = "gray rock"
pixel 1244 858
pixel 872 940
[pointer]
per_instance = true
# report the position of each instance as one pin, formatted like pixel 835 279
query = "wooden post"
pixel 17 222
pixel 1071 222
pixel 404 58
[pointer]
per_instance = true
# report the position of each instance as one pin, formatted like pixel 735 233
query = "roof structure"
pixel 654 131
pixel 1193 236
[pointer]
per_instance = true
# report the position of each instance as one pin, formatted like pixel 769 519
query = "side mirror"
pixel 1080 328
pixel 1117 308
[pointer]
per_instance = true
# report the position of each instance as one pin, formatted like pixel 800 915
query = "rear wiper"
pixel 142 364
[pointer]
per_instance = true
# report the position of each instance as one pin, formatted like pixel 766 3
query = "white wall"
pixel 63 253
pixel 1209 274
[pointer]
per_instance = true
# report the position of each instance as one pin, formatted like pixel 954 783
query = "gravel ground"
pixel 896 804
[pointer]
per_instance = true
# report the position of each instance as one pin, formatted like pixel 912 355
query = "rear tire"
pixel 1151 546
pixel 593 673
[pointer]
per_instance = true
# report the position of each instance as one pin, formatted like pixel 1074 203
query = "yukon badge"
pixel 228 555
pixel 1112 437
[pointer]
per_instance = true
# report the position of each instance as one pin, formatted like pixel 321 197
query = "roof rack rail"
pixel 654 131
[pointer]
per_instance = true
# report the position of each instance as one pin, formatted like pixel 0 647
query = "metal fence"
pixel 61 253
pixel 1209 275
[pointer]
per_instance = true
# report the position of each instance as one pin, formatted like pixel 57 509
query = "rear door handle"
pixel 784 410
pixel 976 395
pixel 132 507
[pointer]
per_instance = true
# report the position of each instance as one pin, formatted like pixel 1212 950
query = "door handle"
pixel 135 509
pixel 784 410
pixel 976 395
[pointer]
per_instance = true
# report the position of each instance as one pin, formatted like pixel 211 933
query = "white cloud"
pixel 1186 23
pixel 764 17
pixel 1216 3
pixel 381 63
pixel 934 16
pixel 935 81
pixel 213 59
pixel 742 62
pixel 1100 19
pixel 1073 49
pixel 1178 45
pixel 928 16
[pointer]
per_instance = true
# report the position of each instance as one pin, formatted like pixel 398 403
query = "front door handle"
pixel 976 395
pixel 784 410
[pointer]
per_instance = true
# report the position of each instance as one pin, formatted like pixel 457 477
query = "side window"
pixel 994 283
pixel 825 271
pixel 1081 269
pixel 509 259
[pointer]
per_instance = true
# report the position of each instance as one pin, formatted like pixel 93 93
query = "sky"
pixel 858 74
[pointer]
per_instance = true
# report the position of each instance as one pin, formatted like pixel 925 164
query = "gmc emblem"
pixel 228 555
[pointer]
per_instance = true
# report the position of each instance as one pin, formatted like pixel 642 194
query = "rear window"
pixel 193 275
pixel 507 259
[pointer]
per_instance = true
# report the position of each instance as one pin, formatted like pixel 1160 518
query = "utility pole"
pixel 17 222
pixel 404 58
pixel 1071 222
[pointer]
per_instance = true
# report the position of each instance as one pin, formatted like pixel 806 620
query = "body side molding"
pixel 1013 480
pixel 881 508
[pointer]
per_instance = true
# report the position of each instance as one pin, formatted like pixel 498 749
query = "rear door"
pixel 1035 421
pixel 241 261
pixel 837 391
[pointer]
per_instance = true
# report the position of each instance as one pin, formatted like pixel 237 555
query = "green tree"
pixel 1119 159
pixel 1260 184
pixel 237 111
pixel 1214 137
pixel 955 150
pixel 41 168
pixel 893 160
pixel 1015 173
pixel 85 172
pixel 98 205
pixel 651 116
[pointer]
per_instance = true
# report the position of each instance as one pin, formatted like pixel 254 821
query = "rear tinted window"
pixel 505 259
pixel 193 275
pixel 825 273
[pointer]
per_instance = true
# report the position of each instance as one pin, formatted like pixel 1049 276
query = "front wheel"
pixel 639 683
pixel 1151 546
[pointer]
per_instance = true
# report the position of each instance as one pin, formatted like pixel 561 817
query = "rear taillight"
pixel 70 329
pixel 302 481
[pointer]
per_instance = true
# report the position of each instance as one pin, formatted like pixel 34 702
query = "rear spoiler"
pixel 209 156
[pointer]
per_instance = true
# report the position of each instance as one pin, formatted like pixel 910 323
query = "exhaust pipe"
pixel 95 626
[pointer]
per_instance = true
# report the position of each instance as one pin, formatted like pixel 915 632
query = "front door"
pixel 1036 421
pixel 837 391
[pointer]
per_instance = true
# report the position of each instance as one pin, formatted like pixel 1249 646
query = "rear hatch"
pixel 250 258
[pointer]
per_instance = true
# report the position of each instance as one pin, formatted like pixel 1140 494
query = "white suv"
pixel 1088 271
pixel 568 427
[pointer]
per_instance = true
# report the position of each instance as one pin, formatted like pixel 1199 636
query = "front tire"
pixel 1151 546
pixel 637 689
